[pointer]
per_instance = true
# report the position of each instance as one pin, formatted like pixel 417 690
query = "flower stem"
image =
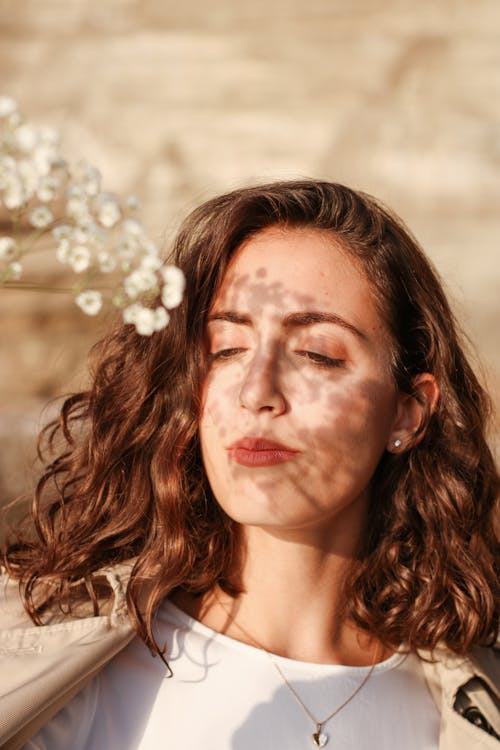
pixel 26 286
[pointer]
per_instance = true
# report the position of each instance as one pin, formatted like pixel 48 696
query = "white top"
pixel 227 695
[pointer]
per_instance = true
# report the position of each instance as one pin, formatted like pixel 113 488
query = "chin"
pixel 271 512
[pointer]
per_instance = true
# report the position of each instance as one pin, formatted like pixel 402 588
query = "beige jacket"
pixel 42 668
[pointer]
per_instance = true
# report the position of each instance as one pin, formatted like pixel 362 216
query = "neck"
pixel 292 602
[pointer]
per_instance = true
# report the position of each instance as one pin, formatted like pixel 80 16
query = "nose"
pixel 261 389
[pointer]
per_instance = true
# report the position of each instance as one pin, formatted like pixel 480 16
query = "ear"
pixel 413 412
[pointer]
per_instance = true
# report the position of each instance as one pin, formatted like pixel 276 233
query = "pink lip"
pixel 256 451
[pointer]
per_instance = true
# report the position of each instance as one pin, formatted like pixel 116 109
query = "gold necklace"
pixel 319 737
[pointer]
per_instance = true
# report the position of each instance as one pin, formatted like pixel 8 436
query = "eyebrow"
pixel 293 320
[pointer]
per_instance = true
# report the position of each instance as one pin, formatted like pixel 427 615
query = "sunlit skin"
pixel 300 356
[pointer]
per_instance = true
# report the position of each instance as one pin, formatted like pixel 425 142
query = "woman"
pixel 287 495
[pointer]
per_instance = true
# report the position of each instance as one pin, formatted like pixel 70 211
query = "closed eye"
pixel 321 360
pixel 225 353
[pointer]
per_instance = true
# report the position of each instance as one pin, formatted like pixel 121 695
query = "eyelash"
pixel 224 354
pixel 320 360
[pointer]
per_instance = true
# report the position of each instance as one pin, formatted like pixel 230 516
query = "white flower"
pixel 14 270
pixel 149 247
pixel 7 162
pixel 29 177
pixel 150 263
pixel 89 229
pixel 77 209
pixel 41 217
pixel 106 261
pixel 14 195
pixel 140 280
pixel 26 137
pixel 89 177
pixel 81 234
pixel 146 321
pixel 173 289
pixel 90 232
pixel 161 318
pixel 133 227
pixel 44 157
pixel 63 249
pixel 92 181
pixel 127 248
pixel 14 120
pixel 173 276
pixel 108 211
pixel 47 187
pixel 7 171
pixel 62 232
pixel 171 297
pixel 8 248
pixel 89 301
pixel 79 258
pixel 143 318
pixel 76 191
pixel 130 313
pixel 8 106
pixel 49 135
pixel 132 202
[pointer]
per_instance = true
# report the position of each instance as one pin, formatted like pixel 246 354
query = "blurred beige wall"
pixel 176 102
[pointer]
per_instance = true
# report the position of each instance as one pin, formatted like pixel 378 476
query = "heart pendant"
pixel 320 739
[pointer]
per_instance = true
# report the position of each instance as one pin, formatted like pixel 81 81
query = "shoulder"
pixel 14 616
pixel 72 725
pixel 43 667
pixel 466 689
pixel 486 662
pixel 448 671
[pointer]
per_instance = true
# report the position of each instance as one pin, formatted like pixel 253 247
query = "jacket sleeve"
pixel 467 693
pixel 44 667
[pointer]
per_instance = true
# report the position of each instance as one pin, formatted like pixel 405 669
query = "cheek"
pixel 346 435
pixel 220 397
pixel 210 439
pixel 214 431
pixel 215 404
pixel 354 419
pixel 216 425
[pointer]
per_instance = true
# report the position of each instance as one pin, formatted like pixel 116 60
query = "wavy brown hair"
pixel 128 480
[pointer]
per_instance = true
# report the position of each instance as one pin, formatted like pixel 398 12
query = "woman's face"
pixel 299 403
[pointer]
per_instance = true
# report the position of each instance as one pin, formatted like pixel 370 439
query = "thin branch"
pixel 26 286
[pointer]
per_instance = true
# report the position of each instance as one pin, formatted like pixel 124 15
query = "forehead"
pixel 283 270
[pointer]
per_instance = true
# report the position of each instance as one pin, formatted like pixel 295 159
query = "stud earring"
pixel 396 443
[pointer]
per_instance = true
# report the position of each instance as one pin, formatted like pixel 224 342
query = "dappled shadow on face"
pixel 273 382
